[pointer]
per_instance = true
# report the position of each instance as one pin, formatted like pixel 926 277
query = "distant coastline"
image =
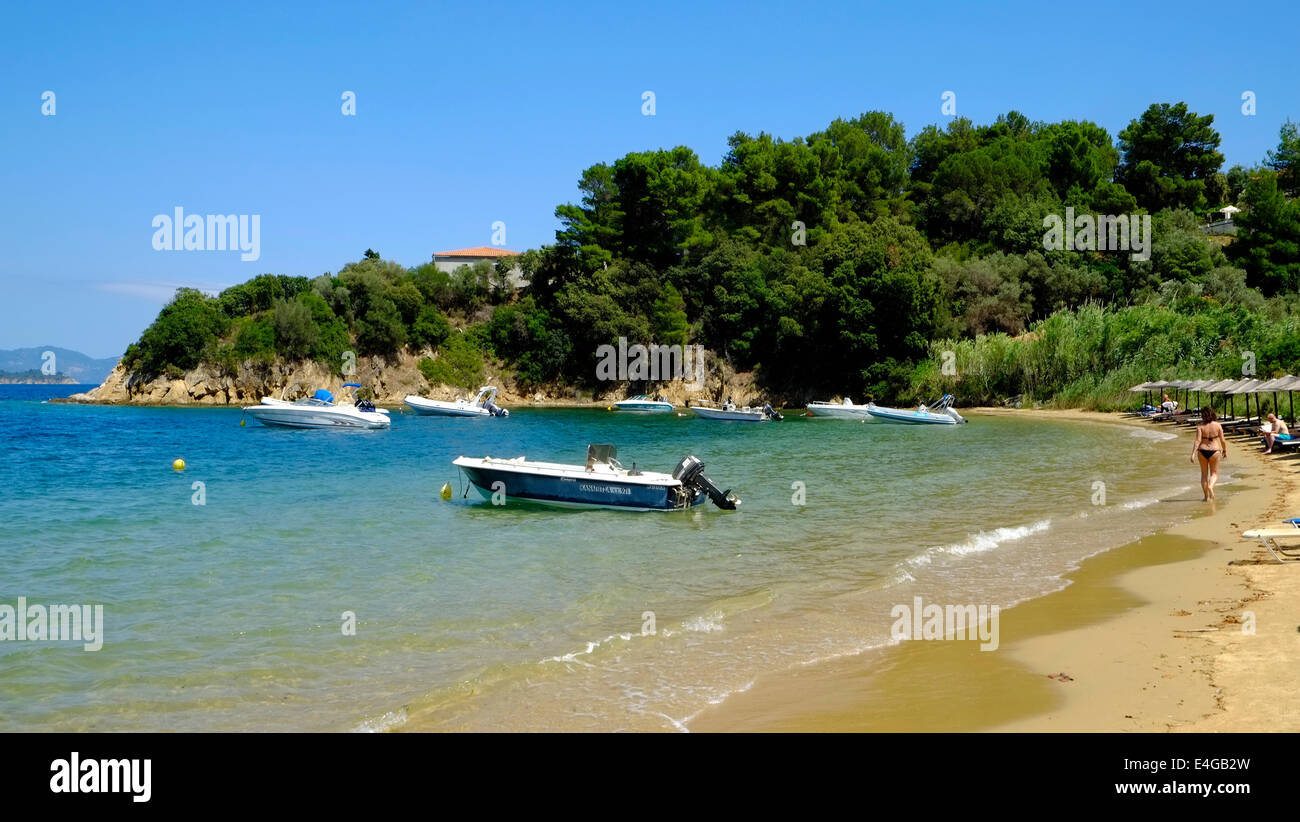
pixel 37 379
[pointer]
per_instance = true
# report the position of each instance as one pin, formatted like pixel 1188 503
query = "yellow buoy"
pixel 242 423
pixel 609 408
pixel 178 464
pixel 445 493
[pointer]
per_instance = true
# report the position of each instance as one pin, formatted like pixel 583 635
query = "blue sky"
pixel 472 113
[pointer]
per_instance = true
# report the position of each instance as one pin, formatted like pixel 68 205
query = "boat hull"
pixel 907 417
pixel 842 412
pixel 436 408
pixel 730 416
pixel 592 491
pixel 288 416
pixel 644 407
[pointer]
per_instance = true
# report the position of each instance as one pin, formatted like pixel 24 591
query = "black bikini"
pixel 1208 453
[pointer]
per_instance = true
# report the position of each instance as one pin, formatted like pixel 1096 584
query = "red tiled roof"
pixel 481 251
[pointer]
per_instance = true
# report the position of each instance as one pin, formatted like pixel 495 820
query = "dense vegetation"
pixel 841 262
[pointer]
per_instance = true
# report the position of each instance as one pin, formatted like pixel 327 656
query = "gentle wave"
pixel 1152 434
pixel 709 623
pixel 983 541
pixel 379 724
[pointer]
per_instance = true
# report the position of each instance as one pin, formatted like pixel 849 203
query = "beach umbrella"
pixel 1201 387
pixel 1218 387
pixel 1246 388
pixel 1271 387
pixel 1224 387
pixel 1279 384
pixel 1145 388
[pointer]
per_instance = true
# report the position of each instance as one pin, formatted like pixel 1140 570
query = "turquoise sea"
pixel 230 615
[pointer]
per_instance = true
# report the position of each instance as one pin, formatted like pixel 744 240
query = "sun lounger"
pixel 1269 537
pixel 1238 425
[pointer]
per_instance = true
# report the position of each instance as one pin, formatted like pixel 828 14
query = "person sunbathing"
pixel 1275 430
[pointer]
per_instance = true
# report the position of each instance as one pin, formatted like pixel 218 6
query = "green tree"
pixel 430 328
pixel 1268 236
pixel 1285 159
pixel 669 317
pixel 296 333
pixel 177 338
pixel 380 330
pixel 1168 154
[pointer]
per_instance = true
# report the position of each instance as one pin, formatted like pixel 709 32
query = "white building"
pixel 449 261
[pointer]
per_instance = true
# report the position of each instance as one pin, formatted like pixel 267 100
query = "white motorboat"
pixel 843 410
pixel 644 403
pixel 483 405
pixel 601 483
pixel 319 411
pixel 730 412
pixel 939 412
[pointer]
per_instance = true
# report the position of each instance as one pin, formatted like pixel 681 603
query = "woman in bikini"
pixel 1209 448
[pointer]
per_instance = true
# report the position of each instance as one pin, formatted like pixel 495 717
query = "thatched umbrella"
pixel 1218 387
pixel 1246 388
pixel 1145 388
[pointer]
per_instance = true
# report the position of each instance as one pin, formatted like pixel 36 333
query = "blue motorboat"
pixel 601 483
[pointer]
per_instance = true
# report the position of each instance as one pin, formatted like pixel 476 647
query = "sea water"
pixel 316 580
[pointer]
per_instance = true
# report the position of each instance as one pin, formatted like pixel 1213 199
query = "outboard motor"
pixel 690 472
pixel 771 412
pixel 496 410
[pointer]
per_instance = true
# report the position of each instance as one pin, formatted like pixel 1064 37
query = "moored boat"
pixel 643 403
pixel 602 483
pixel 483 405
pixel 730 412
pixel 319 411
pixel 845 410
pixel 939 412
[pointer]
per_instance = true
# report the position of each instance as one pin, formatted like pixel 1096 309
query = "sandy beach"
pixel 1192 629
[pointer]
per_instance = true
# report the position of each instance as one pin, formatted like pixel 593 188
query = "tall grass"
pixel 1089 357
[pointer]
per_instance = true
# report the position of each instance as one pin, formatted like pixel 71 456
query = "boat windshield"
pixel 601 453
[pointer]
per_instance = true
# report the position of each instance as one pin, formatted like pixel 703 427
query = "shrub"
pixel 296 333
pixel 178 337
pixel 458 364
pixel 381 330
pixel 430 328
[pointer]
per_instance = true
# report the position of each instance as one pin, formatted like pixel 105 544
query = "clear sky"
pixel 470 113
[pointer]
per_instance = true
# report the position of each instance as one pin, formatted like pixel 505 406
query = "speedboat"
pixel 483 405
pixel 842 410
pixel 939 412
pixel 729 411
pixel 643 402
pixel 602 483
pixel 319 411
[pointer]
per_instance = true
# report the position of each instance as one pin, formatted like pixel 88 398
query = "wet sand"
pixel 1148 637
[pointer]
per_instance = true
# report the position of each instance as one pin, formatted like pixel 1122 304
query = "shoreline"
pixel 1148 634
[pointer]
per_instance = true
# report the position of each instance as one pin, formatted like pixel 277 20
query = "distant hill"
pixel 35 378
pixel 74 364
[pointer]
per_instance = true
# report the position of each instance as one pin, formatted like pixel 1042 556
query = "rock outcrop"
pixel 387 380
